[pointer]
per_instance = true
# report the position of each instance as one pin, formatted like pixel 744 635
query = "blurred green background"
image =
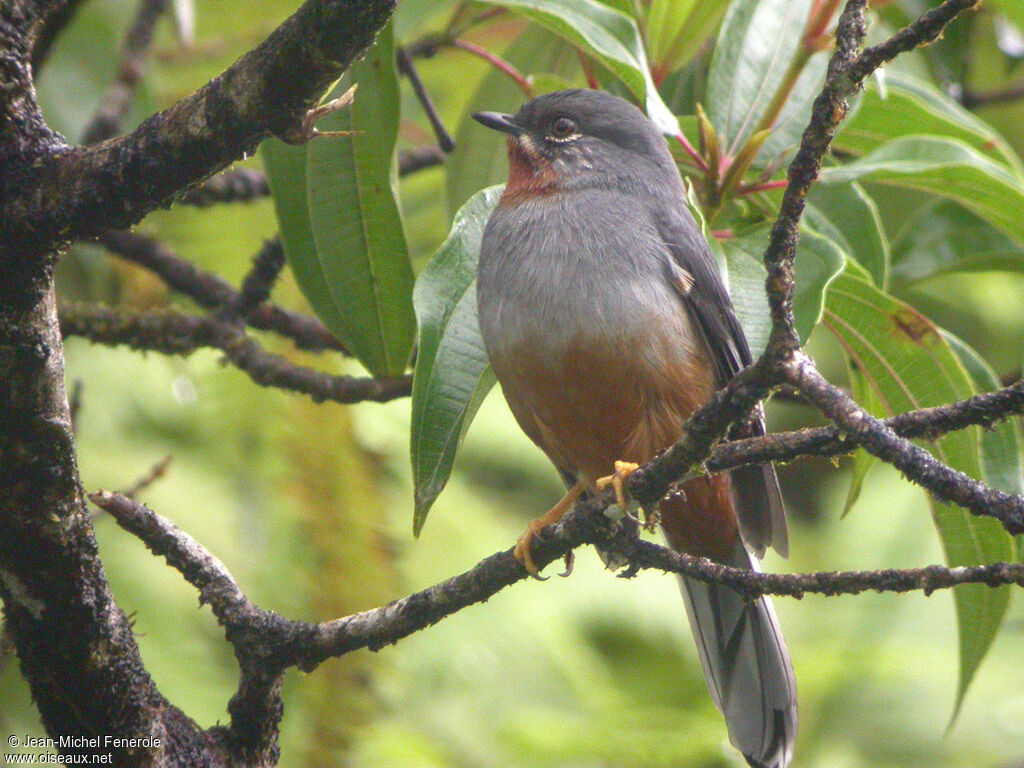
pixel 310 507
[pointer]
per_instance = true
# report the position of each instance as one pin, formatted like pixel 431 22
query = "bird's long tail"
pixel 747 666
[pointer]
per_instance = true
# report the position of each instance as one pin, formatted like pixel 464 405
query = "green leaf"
pixel 452 373
pixel 862 460
pixel 479 157
pixel 1001 461
pixel 850 217
pixel 818 261
pixel 676 29
pixel 942 237
pixel 757 44
pixel 285 166
pixel 610 36
pixel 910 106
pixel 353 213
pixel 910 365
pixel 412 17
pixel 944 167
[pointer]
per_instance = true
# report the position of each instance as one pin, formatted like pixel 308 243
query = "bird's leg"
pixel 522 551
pixel 623 469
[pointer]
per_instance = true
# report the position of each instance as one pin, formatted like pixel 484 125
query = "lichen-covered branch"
pixel 74 644
pixel 244 185
pixel 928 423
pixel 235 185
pixel 281 643
pixel 213 292
pixel 78 192
pixel 878 439
pixel 176 333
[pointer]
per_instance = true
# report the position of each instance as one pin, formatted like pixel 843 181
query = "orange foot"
pixel 522 551
pixel 623 469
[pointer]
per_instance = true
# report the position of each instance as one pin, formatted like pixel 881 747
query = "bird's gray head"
pixel 576 138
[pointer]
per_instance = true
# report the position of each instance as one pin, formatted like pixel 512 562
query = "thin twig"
pixel 235 185
pixel 158 470
pixel 75 402
pixel 916 463
pixel 782 361
pixel 213 292
pixel 928 423
pixel 922 31
pixel 974 99
pixel 257 284
pixel 412 160
pixel 408 68
pixel 176 333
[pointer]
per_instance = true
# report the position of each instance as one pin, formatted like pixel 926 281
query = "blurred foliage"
pixel 309 506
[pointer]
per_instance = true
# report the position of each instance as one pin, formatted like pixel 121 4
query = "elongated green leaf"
pixel 818 261
pixel 757 43
pixel 611 36
pixel 944 167
pixel 849 217
pixel 864 394
pixel 676 29
pixel 910 106
pixel 360 244
pixel 943 237
pixel 285 166
pixel 413 16
pixel 479 157
pixel 910 365
pixel 1002 465
pixel 452 373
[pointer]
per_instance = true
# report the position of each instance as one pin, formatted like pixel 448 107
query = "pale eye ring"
pixel 563 128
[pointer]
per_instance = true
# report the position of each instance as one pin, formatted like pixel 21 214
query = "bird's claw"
pixel 569 560
pixel 523 552
pixel 623 469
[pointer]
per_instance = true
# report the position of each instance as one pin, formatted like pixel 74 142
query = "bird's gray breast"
pixel 555 272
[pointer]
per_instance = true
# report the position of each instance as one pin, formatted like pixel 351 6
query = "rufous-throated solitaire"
pixel 607 324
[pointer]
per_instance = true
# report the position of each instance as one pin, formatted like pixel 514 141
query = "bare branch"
pixel 235 185
pixel 202 570
pixel 412 160
pixel 782 361
pixel 929 423
pixel 176 333
pixel 829 109
pixel 408 68
pixel 974 99
pixel 916 463
pixel 922 31
pixel 213 292
pixel 244 185
pixel 266 266
pixel 281 643
pixel 154 473
pixel 79 192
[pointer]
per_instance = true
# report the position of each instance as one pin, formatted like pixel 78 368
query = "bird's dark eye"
pixel 563 127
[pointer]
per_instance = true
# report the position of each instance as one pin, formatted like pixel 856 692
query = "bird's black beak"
pixel 498 122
